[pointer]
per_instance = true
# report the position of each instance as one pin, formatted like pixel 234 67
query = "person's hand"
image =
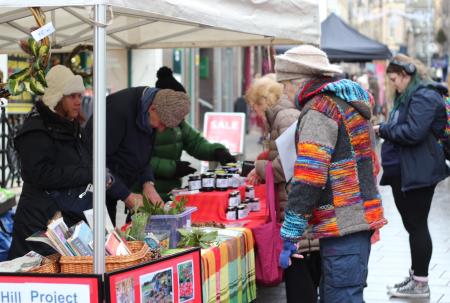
pixel 134 201
pixel 183 168
pixel 289 249
pixel 376 129
pixel 223 156
pixel 151 193
pixel 253 178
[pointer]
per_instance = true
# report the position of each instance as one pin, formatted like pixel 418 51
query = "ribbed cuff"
pixel 293 227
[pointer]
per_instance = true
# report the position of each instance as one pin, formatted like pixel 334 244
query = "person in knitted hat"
pixel 166 162
pixel 333 188
pixel 53 155
pixel 133 118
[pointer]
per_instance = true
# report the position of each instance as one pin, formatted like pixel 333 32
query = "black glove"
pixel 182 169
pixel 223 156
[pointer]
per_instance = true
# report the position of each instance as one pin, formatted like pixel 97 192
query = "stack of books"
pixel 78 239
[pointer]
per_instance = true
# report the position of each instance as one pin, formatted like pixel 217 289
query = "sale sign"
pixel 227 129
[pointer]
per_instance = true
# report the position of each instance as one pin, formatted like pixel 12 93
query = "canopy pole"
pixel 99 113
pixel 218 79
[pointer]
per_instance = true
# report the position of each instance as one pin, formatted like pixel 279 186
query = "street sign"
pixel 227 129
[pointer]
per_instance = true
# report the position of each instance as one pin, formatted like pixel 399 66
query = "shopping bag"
pixel 268 240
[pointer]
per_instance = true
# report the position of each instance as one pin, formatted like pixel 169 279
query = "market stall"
pixel 151 24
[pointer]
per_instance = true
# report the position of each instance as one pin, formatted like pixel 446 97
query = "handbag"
pixel 73 201
pixel 268 240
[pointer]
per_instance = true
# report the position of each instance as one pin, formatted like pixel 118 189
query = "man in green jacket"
pixel 169 144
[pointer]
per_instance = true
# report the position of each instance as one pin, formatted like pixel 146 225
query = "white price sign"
pixel 43 293
pixel 43 31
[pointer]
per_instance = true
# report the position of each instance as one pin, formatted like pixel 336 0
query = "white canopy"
pixel 167 23
pixel 155 24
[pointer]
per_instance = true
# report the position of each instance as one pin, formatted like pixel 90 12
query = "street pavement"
pixel 390 257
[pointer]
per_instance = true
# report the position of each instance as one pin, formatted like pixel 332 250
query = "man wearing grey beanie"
pixel 133 116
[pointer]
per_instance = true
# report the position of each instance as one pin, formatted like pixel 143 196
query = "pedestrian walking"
pixel 333 188
pixel 413 162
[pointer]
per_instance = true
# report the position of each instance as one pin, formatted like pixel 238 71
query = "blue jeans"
pixel 344 267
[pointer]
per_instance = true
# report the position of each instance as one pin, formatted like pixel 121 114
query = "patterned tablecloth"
pixel 228 271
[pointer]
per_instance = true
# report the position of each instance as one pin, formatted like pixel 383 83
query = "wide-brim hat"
pixel 303 61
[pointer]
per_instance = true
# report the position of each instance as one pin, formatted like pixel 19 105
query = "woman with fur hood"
pixel 266 98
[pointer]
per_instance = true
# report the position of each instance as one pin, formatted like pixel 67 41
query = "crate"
pixel 171 223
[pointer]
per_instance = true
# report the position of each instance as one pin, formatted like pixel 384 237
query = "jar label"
pixel 208 182
pixel 195 185
pixel 242 213
pixel 231 215
pixel 233 201
pixel 221 183
pixel 250 194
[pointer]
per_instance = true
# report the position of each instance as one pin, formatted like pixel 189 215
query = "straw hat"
pixel 302 62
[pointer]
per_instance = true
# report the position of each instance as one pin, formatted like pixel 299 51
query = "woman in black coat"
pixel 53 155
pixel 413 163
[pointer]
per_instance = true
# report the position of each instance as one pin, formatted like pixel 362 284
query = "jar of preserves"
pixel 249 191
pixel 222 182
pixel 207 182
pixel 194 182
pixel 231 213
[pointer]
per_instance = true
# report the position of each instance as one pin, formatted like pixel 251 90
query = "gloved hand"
pixel 289 248
pixel 183 168
pixel 223 156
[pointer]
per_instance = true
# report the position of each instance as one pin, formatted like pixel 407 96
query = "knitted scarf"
pixel 146 100
pixel 345 89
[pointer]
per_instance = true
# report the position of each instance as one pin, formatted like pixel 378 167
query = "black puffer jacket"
pixel 53 155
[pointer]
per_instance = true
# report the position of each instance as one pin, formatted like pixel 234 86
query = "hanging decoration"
pixel 32 78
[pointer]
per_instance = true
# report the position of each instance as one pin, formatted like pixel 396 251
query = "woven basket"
pixel 84 264
pixel 49 265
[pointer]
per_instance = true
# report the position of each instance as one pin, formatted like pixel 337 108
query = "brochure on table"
pixel 174 278
pixel 26 287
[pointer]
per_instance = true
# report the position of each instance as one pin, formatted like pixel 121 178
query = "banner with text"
pixel 23 288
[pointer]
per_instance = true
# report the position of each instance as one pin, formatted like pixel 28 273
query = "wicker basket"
pixel 49 265
pixel 84 265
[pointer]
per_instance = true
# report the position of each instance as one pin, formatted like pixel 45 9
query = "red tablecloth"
pixel 211 206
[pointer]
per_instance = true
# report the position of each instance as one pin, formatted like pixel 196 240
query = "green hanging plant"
pixel 32 78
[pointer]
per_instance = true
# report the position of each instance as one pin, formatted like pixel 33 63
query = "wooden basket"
pixel 84 264
pixel 49 265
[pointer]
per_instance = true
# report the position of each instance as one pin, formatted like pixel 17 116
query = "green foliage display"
pixel 197 237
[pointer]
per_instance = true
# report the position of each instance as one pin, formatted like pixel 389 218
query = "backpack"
pixel 446 140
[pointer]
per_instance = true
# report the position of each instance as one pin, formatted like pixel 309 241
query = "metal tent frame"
pixel 167 24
